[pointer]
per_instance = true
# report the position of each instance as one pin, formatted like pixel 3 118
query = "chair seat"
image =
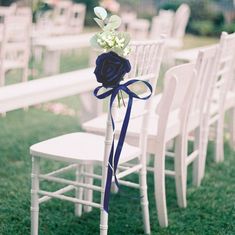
pixel 79 147
pixel 97 125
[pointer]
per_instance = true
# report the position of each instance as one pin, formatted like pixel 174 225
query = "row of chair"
pixel 66 17
pixel 195 96
pixel 167 22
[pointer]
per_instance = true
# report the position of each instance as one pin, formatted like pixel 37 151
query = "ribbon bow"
pixel 114 156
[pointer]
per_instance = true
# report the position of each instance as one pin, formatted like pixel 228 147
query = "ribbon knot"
pixel 114 155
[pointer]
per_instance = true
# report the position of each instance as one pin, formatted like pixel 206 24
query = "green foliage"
pixel 202 27
pixel 204 20
pixel 110 39
pixel 6 2
pixel 230 28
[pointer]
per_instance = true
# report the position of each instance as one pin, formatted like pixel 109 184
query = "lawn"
pixel 210 211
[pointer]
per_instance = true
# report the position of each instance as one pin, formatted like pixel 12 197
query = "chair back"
pixel 62 12
pixel 24 11
pixel 77 17
pixel 7 11
pixel 139 29
pixel 127 18
pixel 162 24
pixel 16 40
pixel 180 21
pixel 175 97
pixel 145 59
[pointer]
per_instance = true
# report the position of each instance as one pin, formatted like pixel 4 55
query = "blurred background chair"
pixel 77 18
pixel 15 46
pixel 162 24
pixel 127 18
pixel 180 22
pixel 139 29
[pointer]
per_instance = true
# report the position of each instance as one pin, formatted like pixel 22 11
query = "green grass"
pixel 210 211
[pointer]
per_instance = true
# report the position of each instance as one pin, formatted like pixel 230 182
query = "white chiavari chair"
pixel 15 46
pixel 73 149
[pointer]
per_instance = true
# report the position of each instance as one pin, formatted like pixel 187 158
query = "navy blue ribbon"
pixel 114 156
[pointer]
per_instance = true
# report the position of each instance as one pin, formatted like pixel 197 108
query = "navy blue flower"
pixel 111 68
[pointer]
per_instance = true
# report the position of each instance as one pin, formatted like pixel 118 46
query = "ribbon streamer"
pixel 114 156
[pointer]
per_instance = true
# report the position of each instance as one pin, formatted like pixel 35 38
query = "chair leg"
pixel 219 145
pixel 231 126
pixel 79 190
pixel 203 147
pixel 181 170
pixel 159 185
pixel 103 222
pixel 144 198
pixel 88 193
pixel 34 196
pixel 196 162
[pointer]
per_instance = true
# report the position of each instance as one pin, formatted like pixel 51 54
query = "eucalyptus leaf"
pixel 99 22
pixel 100 12
pixel 113 23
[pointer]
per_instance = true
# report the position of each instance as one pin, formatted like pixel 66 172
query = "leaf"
pixel 113 23
pixel 99 22
pixel 100 12
pixel 94 43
